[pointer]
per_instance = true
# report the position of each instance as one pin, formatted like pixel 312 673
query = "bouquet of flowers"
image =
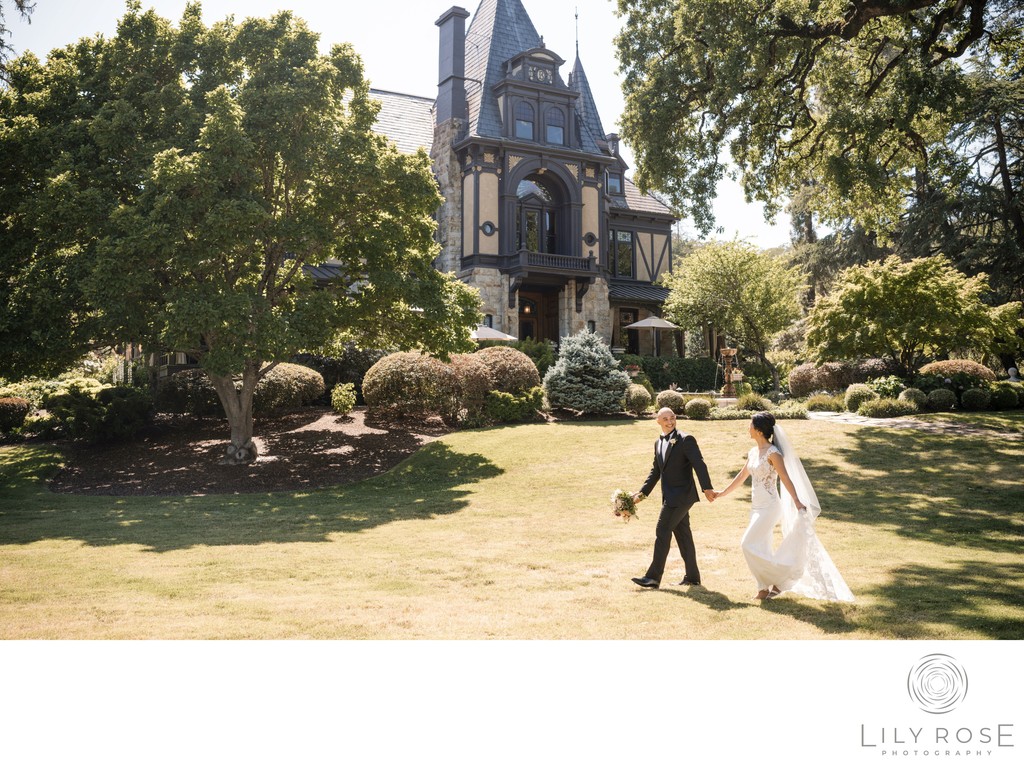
pixel 623 505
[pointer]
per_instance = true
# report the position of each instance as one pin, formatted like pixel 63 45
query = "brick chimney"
pixel 451 84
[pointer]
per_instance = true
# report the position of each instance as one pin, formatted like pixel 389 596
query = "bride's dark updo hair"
pixel 765 423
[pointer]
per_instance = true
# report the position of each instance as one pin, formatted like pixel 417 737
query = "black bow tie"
pixel 666 437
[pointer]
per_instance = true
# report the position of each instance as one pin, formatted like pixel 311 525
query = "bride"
pixel 800 563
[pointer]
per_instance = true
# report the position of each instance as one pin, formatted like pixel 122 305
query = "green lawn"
pixel 507 533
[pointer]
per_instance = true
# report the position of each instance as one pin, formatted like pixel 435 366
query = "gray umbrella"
pixel 483 332
pixel 652 323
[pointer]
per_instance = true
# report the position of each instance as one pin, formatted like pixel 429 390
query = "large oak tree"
pixel 173 185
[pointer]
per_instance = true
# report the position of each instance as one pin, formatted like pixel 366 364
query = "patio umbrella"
pixel 483 332
pixel 653 323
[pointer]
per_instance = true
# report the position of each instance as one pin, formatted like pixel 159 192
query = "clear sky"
pixel 398 42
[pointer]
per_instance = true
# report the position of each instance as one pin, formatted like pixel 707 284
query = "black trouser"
pixel 674 521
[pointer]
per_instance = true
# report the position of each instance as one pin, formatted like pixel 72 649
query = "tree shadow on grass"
pixel 973 597
pixel 951 490
pixel 432 483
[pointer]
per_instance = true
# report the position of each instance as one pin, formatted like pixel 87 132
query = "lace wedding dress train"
pixel 800 564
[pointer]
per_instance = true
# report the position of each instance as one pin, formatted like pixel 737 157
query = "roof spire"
pixel 577 31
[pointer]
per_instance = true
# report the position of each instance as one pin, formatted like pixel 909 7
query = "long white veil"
pixel 821 578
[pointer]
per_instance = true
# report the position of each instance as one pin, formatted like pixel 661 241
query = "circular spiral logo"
pixel 937 683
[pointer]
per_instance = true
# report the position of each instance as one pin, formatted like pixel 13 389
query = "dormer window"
pixel 524 121
pixel 554 126
pixel 615 183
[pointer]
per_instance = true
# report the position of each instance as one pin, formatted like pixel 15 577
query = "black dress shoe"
pixel 690 582
pixel 646 582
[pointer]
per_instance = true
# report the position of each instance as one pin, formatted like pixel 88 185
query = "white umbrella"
pixel 483 332
pixel 652 323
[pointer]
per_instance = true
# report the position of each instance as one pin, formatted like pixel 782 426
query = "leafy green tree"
pixel 179 187
pixel 851 93
pixel 907 311
pixel 24 8
pixel 748 294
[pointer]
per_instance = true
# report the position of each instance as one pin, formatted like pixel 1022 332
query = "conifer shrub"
pixel 856 395
pixel 887 408
pixel 511 370
pixel 941 400
pixel 586 378
pixel 671 399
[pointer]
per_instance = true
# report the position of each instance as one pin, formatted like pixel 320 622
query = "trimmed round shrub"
pixel 637 399
pixel 698 409
pixel 473 382
pixel 833 376
pixel 503 407
pixel 347 365
pixel 671 399
pixel 941 400
pixel 915 396
pixel 856 395
pixel 802 380
pixel 975 399
pixel 825 403
pixel 287 387
pixel 511 370
pixel 951 368
pixel 343 398
pixel 1003 397
pixel 409 383
pixel 188 392
pixel 586 378
pixel 14 410
pixel 887 408
pixel 753 403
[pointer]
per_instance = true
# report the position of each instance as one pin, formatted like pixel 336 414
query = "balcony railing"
pixel 529 261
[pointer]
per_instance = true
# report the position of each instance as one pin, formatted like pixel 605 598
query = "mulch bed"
pixel 304 450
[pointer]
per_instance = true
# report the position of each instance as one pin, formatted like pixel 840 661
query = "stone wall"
pixel 448 172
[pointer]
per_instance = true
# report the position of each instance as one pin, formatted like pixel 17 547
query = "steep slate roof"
pixel 499 30
pixel 586 108
pixel 640 203
pixel 407 120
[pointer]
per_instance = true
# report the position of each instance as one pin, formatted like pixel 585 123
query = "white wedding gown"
pixel 800 564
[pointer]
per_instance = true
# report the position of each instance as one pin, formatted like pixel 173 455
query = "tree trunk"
pixel 238 408
pixel 1013 212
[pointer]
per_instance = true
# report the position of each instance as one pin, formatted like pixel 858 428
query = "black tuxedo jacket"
pixel 676 472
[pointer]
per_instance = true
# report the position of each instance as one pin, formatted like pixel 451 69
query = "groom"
pixel 676 457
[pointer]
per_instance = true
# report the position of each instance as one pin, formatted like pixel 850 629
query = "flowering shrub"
pixel 956 374
pixel 888 387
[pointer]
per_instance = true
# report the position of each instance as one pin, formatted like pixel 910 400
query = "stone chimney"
pixel 451 83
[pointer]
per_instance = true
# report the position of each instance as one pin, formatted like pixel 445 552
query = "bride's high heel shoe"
pixel 773 593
